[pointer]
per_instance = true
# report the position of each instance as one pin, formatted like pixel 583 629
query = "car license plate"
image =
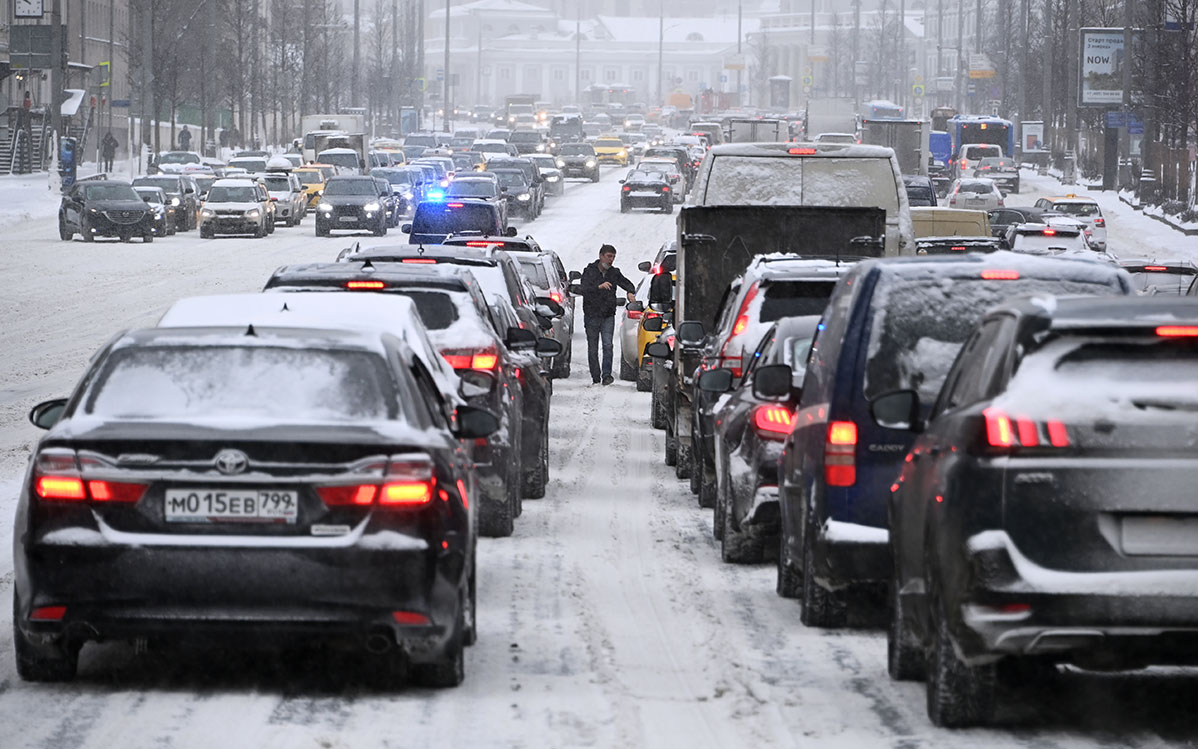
pixel 644 195
pixel 231 506
pixel 1160 535
pixel 348 219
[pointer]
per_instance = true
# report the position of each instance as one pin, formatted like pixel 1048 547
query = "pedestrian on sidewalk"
pixel 599 282
pixel 108 150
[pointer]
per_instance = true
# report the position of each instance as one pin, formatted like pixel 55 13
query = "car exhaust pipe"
pixel 378 644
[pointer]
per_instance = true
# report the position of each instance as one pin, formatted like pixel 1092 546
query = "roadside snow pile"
pixel 26 197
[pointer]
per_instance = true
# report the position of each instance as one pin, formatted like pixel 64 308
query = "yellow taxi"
pixel 313 182
pixel 609 148
pixel 642 322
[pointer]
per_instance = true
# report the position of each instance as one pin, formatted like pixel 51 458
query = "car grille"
pixel 346 210
pixel 124 217
pixel 230 213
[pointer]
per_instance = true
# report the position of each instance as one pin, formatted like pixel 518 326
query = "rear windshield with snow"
pixel 1173 281
pixel 861 182
pixel 235 382
pixel 977 186
pixel 918 325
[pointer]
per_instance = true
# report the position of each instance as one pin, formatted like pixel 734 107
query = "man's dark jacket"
pixel 597 302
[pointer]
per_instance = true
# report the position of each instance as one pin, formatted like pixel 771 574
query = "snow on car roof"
pixel 773 150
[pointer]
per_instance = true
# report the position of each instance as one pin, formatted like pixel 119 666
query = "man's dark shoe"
pixel 595 382
pixel 608 379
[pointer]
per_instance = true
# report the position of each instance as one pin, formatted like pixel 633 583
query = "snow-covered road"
pixel 606 620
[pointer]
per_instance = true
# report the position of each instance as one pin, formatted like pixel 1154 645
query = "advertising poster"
pixel 1101 68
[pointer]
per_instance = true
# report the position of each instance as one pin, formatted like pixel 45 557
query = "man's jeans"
pixel 597 327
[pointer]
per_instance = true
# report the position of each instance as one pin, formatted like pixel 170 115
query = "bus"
pixel 967 129
pixel 602 96
pixel 881 109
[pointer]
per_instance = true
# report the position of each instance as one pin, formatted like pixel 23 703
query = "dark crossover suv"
pixel 578 160
pixel 266 484
pixel 352 203
pixel 1045 512
pixel 102 208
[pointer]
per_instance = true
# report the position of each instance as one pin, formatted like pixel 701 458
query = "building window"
pixel 694 36
pixel 585 74
pixel 692 75
pixel 611 75
pixel 638 76
pixel 559 74
pixel 505 73
pixel 532 75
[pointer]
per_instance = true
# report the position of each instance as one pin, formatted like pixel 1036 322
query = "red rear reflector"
pixel 115 491
pixel 1177 331
pixel 423 260
pixel 801 151
pixel 60 487
pixel 1015 608
pixel 352 494
pixel 1000 275
pixel 48 614
pixel 998 428
pixel 398 493
pixel 773 421
pixel 365 285
pixel 1155 268
pixel 411 618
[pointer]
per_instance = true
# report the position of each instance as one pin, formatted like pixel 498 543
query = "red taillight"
pixel 420 260
pixel 1177 331
pixel 484 361
pixel 1049 232
pixel 115 491
pixel 1000 275
pixel 1158 268
pixel 964 163
pixel 739 327
pixel 410 618
pixel 658 270
pixel 365 285
pixel 998 428
pixel 742 322
pixel 462 493
pixel 1058 436
pixel 459 359
pixel 1004 434
pixel 665 189
pixel 406 493
pixel 352 494
pixel 48 614
pixel 958 248
pixel 634 314
pixel 60 487
pixel 772 421
pixel 801 151
pixel 840 454
pixel 1100 222
pixel 556 296
pixel 408 482
pixel 455 205
pixel 627 188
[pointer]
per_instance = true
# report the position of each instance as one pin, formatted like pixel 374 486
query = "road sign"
pixel 972 88
pixel 440 74
pixel 808 80
pixel 945 83
pixel 723 77
pixel 421 84
pixel 917 89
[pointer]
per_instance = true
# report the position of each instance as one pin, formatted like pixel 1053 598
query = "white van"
pixel 970 154
pixel 824 174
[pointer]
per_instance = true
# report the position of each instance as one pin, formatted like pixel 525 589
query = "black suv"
pixel 532 174
pixel 352 203
pixel 182 194
pixel 578 160
pixel 103 208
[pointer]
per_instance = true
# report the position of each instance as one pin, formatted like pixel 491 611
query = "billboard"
pixel 1033 137
pixel 1101 68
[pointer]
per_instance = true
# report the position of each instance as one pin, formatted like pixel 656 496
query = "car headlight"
pixel 540 146
pixel 590 163
pixel 253 213
pixel 407 195
pixel 552 178
pixel 371 207
pixel 523 196
pixel 560 163
pixel 92 210
pixel 207 213
pixel 326 208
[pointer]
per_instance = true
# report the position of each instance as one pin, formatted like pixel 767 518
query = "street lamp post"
pixel 445 88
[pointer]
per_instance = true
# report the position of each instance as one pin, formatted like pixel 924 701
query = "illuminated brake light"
pixel 48 614
pixel 958 248
pixel 457 361
pixel 351 494
pixel 462 493
pixel 627 188
pixel 1159 268
pixel 410 618
pixel 60 487
pixel 1100 222
pixel 998 428
pixel 484 361
pixel 840 454
pixel 1000 275
pixel 365 285
pixel 397 493
pixel 742 322
pixel 115 491
pixel 634 314
pixel 420 260
pixel 1049 232
pixel 455 205
pixel 476 243
pixel 556 296
pixel 1177 331
pixel 1058 436
pixel 772 421
pixel 1029 433
pixel 801 151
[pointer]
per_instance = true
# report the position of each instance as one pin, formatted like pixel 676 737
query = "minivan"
pixel 892 324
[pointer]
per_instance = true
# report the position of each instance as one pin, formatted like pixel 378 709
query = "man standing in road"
pixel 599 282
pixel 185 139
pixel 108 150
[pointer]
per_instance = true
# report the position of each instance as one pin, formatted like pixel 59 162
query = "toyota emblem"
pixel 231 462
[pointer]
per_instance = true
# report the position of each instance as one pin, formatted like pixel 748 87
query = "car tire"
pixel 58 661
pixel 470 614
pixel 498 519
pixel 644 375
pixel 669 207
pixel 64 233
pixel 147 238
pixel 670 455
pixel 657 410
pixel 696 472
pixel 738 547
pixel 682 461
pixel 449 670
pixel 789 583
pixel 821 608
pixel 380 230
pixel 533 486
pixel 627 371
pixel 958 695
pixel 561 370
pixel 321 231
pixel 206 233
pixel 86 231
pixel 717 517
pixel 595 176
pixel 904 653
pixel 624 207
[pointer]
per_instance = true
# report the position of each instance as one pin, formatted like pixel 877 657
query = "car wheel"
pixel 717 517
pixel 669 207
pixel 682 461
pixel 627 371
pixel 64 233
pixel 147 238
pixel 470 614
pixel 671 452
pixel 738 547
pixel 380 230
pixel 595 177
pixel 536 478
pixel 696 472
pixel 206 232
pixel 624 207
pixel 321 231
pixel 57 661
pixel 789 583
pixel 904 654
pixel 958 695
pixel 657 410
pixel 644 375
pixel 497 519
pixel 450 668
pixel 821 608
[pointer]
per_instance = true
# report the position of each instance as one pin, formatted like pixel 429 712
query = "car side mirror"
pixel 897 410
pixel 475 382
pixel 654 324
pixel 547 347
pixel 658 350
pixel 621 301
pixel 519 339
pixel 475 423
pixel 406 228
pixel 645 267
pixel 575 275
pixel 510 231
pixel 635 306
pixel 622 182
pixel 575 289
pixel 691 333
pixel 555 309
pixel 716 380
pixel 47 413
pixel 772 381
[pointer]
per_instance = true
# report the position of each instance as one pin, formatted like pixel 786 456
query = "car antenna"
pixel 250 331
pixel 285 308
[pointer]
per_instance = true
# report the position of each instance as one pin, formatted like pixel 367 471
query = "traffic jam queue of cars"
pixel 1000 444
pixel 339 441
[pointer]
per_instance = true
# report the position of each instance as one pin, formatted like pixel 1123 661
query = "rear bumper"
pixel 1017 607
pixel 646 201
pixel 848 553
